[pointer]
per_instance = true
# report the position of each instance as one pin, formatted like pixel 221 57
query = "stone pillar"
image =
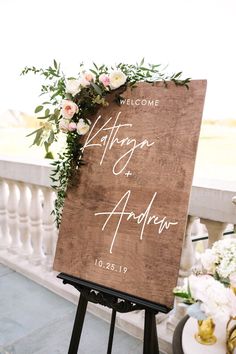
pixel 24 226
pixel 4 230
pixel 37 255
pixel 49 228
pixel 13 221
pixel 215 230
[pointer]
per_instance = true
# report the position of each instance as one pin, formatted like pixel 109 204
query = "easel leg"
pixel 78 325
pixel 150 342
pixel 111 334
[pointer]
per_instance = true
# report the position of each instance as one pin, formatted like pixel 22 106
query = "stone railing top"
pixel 29 171
pixel 214 200
pixel 210 199
pixel 217 184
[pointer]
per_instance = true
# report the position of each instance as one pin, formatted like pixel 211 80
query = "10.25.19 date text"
pixel 110 266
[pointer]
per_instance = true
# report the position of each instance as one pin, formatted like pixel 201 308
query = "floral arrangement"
pixel 220 261
pixel 210 292
pixel 72 101
pixel 207 297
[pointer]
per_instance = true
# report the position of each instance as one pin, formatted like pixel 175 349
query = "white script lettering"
pixel 143 219
pixel 110 129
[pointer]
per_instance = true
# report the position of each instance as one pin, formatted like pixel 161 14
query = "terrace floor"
pixel 33 320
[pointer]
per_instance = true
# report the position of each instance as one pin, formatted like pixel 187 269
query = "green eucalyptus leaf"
pixel 57 112
pixel 46 146
pixel 51 137
pixel 178 74
pixel 34 132
pixel 37 140
pixel 49 155
pixel 68 96
pixel 182 294
pixel 57 93
pixel 38 109
pixel 96 88
pixel 94 72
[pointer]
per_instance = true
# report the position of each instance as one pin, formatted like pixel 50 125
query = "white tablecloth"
pixel 191 346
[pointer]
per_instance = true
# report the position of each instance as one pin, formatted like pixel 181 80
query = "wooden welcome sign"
pixel 123 225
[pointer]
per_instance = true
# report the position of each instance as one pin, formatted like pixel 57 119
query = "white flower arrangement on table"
pixel 211 291
pixel 207 297
pixel 220 261
pixel 72 101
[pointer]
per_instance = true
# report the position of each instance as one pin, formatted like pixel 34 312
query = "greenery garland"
pixel 71 101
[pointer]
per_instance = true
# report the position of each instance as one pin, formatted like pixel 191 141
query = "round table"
pixel 191 346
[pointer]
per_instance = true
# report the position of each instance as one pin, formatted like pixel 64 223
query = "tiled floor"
pixel 34 320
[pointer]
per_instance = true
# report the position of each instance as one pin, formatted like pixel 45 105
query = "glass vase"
pixel 205 334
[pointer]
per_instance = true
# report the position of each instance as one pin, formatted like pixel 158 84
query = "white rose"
pixel 208 260
pixel 197 285
pixel 72 86
pixel 117 79
pixel 82 127
pixel 218 301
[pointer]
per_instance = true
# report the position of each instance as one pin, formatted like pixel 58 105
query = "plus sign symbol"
pixel 127 174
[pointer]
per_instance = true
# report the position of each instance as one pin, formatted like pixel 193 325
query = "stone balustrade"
pixel 28 235
pixel 27 227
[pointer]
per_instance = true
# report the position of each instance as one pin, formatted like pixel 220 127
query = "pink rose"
pixel 72 126
pixel 86 78
pixel 104 79
pixel 68 109
pixel 64 125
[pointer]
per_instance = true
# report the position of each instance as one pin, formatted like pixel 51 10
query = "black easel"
pixel 118 302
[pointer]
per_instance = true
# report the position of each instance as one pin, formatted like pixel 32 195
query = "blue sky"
pixel 196 37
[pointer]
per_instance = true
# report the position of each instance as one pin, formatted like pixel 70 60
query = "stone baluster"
pixel 49 228
pixel 4 230
pixel 215 230
pixel 13 217
pixel 24 227
pixel 37 255
pixel 188 254
pixel 186 263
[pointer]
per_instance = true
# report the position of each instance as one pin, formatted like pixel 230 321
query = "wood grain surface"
pixel 123 225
